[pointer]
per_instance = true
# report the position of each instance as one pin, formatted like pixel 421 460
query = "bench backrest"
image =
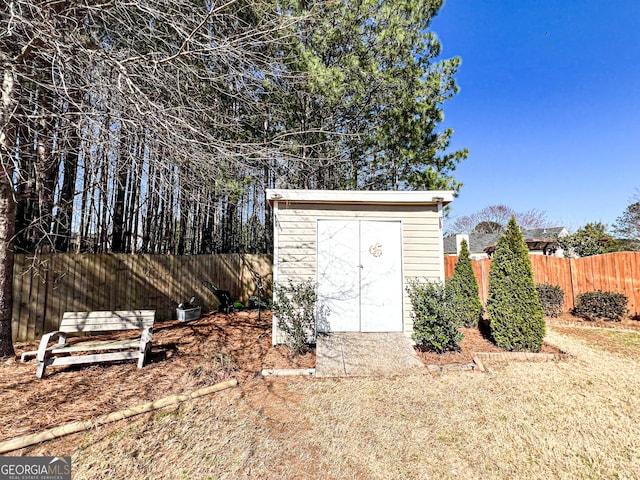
pixel 107 321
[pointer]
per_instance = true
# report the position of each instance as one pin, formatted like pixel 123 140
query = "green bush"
pixel 462 290
pixel 294 307
pixel 551 298
pixel 599 304
pixel 515 314
pixel 433 326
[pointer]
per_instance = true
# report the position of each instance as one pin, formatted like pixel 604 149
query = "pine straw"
pixel 185 357
pixel 578 418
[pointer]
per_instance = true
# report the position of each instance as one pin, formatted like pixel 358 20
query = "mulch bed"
pixel 185 357
pixel 475 340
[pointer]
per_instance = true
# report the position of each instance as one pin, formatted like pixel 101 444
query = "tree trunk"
pixel 118 240
pixel 7 216
pixel 46 170
pixel 64 216
pixel 22 137
pixel 7 227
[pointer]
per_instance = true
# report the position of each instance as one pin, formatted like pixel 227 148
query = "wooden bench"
pixel 90 323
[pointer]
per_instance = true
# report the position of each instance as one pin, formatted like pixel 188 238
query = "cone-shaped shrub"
pixel 462 288
pixel 514 310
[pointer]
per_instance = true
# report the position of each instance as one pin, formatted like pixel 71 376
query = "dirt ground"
pixel 185 357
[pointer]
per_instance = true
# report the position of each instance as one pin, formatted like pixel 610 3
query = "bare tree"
pixel 495 218
pixel 102 101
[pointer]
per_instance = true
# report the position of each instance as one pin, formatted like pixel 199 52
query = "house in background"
pixel 541 241
pixel 361 249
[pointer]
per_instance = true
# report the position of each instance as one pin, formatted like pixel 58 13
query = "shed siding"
pixel 296 236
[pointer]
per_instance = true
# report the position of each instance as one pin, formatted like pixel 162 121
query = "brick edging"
pixel 480 358
pixel 521 356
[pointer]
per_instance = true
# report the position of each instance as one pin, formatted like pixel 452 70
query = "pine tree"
pixel 376 77
pixel 513 307
pixel 463 291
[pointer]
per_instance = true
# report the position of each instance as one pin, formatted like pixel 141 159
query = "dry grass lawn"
pixel 625 344
pixel 578 418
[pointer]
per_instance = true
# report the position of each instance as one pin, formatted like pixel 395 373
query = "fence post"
pixel 571 273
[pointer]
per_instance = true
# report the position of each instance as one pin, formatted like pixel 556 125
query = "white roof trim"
pixel 357 196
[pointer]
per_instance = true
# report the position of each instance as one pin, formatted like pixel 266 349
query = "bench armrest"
pixel 145 346
pixel 44 342
pixel 145 338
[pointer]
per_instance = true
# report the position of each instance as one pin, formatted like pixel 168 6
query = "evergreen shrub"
pixel 599 304
pixel 294 307
pixel 515 314
pixel 551 298
pixel 462 290
pixel 433 326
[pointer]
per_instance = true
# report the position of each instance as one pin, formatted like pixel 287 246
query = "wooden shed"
pixel 361 247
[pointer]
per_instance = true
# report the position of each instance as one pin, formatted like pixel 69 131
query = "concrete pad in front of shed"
pixel 355 354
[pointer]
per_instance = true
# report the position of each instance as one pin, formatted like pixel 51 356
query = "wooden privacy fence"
pixel 46 286
pixel 613 272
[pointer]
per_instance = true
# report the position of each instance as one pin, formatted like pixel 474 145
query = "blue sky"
pixel 549 105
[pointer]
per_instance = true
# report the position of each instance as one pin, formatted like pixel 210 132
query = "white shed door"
pixel 381 276
pixel 360 275
pixel 339 275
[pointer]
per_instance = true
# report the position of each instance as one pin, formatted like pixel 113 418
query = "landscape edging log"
pixel 75 427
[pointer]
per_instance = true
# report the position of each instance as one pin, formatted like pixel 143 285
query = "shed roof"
pixel 421 197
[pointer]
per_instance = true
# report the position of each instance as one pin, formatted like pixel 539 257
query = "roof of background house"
pixel 550 233
pixel 479 241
